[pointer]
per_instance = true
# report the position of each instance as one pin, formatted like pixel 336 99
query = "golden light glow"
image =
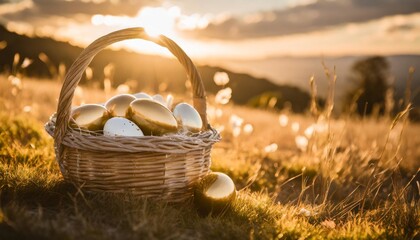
pixel 155 20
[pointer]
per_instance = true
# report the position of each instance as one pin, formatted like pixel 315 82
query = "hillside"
pixel 296 71
pixel 148 71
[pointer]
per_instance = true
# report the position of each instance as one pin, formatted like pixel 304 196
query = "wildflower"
pixel 123 88
pixel 109 70
pixel 107 87
pixel 211 112
pixel 26 63
pixel 309 131
pixel 295 127
pixel 188 84
pixel 16 84
pixel 89 73
pixel 214 113
pixel 248 128
pixel 15 91
pixel 15 81
pixel 272 102
pixel 301 142
pixel 62 71
pixel 27 109
pixel 16 59
pixel 163 87
pixel 78 94
pixel 236 131
pixel 43 57
pixel 305 212
pixel 321 125
pixel 221 78
pixel 235 121
pixel 283 120
pixel 223 96
pixel 271 148
pixel 169 101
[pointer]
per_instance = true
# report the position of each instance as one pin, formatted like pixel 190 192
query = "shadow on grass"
pixel 63 212
pixel 35 195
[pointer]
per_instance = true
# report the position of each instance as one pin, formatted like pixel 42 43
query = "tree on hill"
pixel 370 75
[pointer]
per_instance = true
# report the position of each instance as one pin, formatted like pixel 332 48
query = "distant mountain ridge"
pixel 297 71
pixel 148 71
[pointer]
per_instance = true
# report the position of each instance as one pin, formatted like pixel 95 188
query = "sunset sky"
pixel 235 29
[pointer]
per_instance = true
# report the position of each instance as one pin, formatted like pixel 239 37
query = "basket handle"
pixel 77 69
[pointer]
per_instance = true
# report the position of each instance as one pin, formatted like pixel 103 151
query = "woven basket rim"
pixel 180 142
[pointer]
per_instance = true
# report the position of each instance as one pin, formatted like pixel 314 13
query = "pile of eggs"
pixel 136 115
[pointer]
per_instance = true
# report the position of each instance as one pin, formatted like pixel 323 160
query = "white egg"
pixel 118 126
pixel 141 95
pixel 118 105
pixel 158 98
pixel 188 117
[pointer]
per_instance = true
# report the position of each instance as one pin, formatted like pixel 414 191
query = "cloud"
pixel 54 18
pixel 316 16
pixel 401 28
pixel 367 38
pixel 10 8
pixel 36 9
pixel 64 20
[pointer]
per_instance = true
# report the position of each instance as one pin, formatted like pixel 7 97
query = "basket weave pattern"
pixel 164 167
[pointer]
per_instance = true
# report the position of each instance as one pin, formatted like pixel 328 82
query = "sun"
pixel 155 20
pixel 158 20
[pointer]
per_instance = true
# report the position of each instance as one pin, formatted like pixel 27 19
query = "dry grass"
pixel 356 179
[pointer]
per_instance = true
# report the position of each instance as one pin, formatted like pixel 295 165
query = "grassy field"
pixel 298 176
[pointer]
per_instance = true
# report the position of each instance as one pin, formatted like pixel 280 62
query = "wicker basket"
pixel 162 167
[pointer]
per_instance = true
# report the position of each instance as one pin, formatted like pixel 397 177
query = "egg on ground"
pixel 89 117
pixel 119 104
pixel 214 193
pixel 188 117
pixel 153 118
pixel 118 126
